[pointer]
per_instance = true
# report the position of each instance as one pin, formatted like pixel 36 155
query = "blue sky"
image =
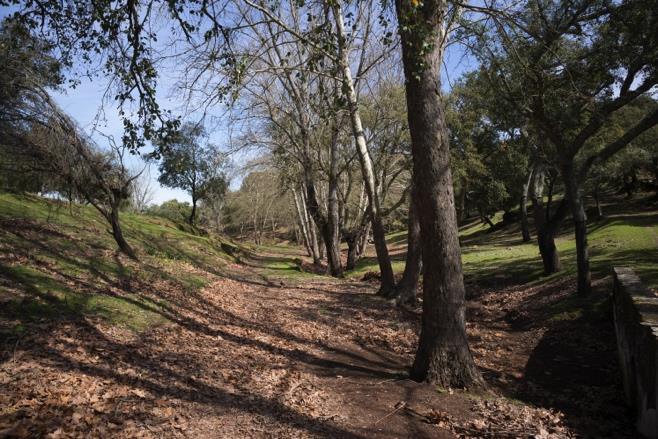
pixel 83 104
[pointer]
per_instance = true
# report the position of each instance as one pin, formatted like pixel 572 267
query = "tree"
pixel 623 171
pixel 45 140
pixel 259 205
pixel 443 355
pixel 173 210
pixel 568 67
pixel 406 288
pixel 142 191
pixel 189 165
pixel 365 159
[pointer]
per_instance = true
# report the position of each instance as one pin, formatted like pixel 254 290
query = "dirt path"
pixel 256 356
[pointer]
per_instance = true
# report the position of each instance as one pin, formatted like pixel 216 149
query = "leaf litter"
pixel 248 356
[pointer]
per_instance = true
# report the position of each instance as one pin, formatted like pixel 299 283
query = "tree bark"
pixel 310 226
pixel 303 226
pixel 523 208
pixel 655 174
pixel 406 288
pixel 379 234
pixel 485 219
pixel 117 233
pixel 193 213
pixel 545 226
pixel 332 250
pixel 363 241
pixel 462 201
pixel 597 200
pixel 333 214
pixel 549 254
pixel 443 357
pixel 354 239
pixel 630 184
pixel 574 194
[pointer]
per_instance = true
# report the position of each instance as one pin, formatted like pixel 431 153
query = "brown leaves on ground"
pixel 250 357
pixel 498 418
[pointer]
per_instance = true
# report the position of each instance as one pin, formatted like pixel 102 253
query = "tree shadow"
pixel 573 366
pixel 163 376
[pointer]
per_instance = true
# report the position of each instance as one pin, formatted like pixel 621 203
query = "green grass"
pixel 623 239
pixel 62 263
pixel 368 264
pixel 284 268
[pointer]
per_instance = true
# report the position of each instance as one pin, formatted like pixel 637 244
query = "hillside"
pixel 626 236
pixel 57 262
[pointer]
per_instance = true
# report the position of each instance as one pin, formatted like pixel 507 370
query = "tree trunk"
pixel 352 248
pixel 333 219
pixel 321 248
pixel 655 174
pixel 443 357
pixel 630 184
pixel 303 229
pixel 193 213
pixel 485 219
pixel 332 252
pixel 354 239
pixel 406 288
pixel 363 241
pixel 118 234
pixel 462 201
pixel 549 254
pixel 330 242
pixel 523 208
pixel 545 226
pixel 379 234
pixel 574 195
pixel 310 226
pixel 315 245
pixel 597 200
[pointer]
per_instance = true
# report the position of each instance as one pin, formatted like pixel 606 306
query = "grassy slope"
pixel 56 263
pixel 627 237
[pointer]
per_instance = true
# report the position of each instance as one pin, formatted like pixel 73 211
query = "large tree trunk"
pixel 379 234
pixel 548 251
pixel 333 214
pixel 443 357
pixel 354 239
pixel 331 244
pixel 117 233
pixel 545 226
pixel 523 208
pixel 574 195
pixel 406 288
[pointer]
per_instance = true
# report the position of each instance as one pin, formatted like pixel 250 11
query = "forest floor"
pixel 253 347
